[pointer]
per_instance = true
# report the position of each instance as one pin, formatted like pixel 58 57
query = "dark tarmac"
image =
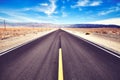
pixel 38 60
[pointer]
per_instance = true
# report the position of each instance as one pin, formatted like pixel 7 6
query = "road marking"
pixel 13 48
pixel 60 66
pixel 96 45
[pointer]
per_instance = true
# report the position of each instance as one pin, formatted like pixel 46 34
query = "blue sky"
pixel 59 11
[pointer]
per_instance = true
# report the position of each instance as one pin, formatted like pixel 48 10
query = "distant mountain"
pixel 93 26
pixel 29 24
pixel 59 25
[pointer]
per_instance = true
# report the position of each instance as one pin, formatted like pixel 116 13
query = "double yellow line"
pixel 60 66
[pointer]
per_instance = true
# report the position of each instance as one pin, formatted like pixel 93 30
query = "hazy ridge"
pixel 60 25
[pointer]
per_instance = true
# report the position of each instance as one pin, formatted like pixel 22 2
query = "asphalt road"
pixel 38 60
pixel 83 61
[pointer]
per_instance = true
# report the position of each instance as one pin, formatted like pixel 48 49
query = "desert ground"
pixel 18 31
pixel 106 37
pixel 13 36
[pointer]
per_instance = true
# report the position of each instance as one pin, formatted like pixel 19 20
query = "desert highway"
pixel 39 60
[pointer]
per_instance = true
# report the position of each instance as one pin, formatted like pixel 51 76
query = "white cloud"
pixel 84 3
pixel 106 12
pixel 115 21
pixel 96 3
pixel 51 8
pixel 44 4
pixel 15 16
pixel 110 10
pixel 63 12
pixel 19 16
pixel 46 8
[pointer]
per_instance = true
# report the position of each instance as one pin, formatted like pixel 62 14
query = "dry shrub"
pixel 17 31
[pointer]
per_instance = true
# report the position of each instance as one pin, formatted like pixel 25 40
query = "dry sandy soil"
pixel 106 37
pixel 12 37
pixel 18 31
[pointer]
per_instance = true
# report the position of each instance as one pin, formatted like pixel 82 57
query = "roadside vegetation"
pixel 19 31
pixel 106 32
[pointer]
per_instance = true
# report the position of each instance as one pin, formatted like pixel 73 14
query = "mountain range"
pixel 59 25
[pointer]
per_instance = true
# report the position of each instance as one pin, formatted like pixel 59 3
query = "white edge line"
pixel 13 48
pixel 102 48
pixel 94 44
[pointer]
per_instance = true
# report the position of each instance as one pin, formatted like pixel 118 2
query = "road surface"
pixel 38 60
pixel 83 61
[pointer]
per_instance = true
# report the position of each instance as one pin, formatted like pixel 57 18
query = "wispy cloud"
pixel 16 16
pixel 19 17
pixel 95 3
pixel 50 9
pixel 44 4
pixel 110 10
pixel 84 3
pixel 63 12
pixel 47 8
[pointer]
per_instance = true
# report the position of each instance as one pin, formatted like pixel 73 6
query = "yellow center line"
pixel 60 66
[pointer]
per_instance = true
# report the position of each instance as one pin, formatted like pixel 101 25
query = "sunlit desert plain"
pixel 113 33
pixel 19 31
pixel 106 37
pixel 14 36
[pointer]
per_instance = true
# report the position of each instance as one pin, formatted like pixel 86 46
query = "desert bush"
pixel 104 32
pixel 87 33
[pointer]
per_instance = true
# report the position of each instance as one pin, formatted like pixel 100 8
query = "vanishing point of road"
pixel 59 55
